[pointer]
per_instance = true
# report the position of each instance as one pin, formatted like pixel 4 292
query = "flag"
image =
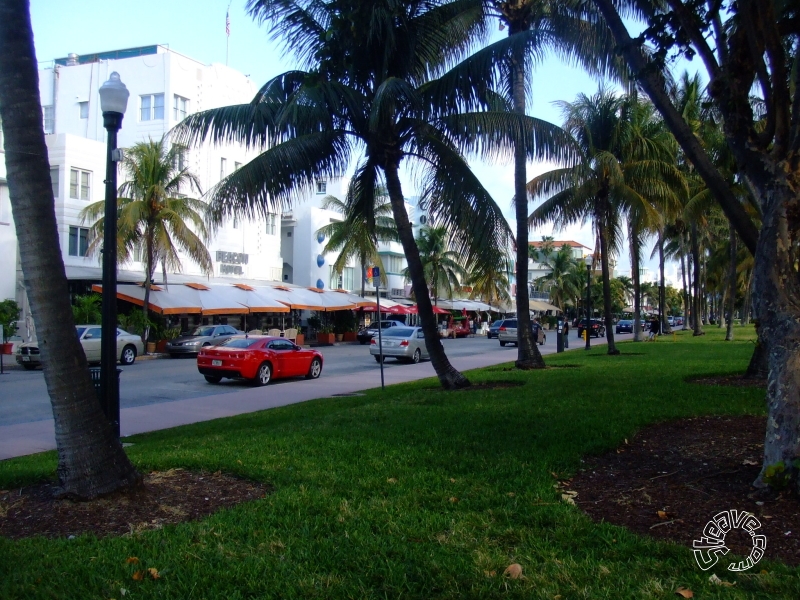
pixel 227 24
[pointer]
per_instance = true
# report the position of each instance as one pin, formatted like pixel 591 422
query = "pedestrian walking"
pixel 566 334
pixel 655 327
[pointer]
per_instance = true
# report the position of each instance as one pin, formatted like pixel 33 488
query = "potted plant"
pixel 9 314
pixel 301 336
pixel 325 336
pixel 345 325
pixel 168 334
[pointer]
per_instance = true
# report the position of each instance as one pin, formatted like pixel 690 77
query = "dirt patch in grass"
pixel 485 385
pixel 690 470
pixel 732 380
pixel 167 497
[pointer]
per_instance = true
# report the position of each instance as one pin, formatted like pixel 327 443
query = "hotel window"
pixel 83 110
pixel 392 264
pixel 272 221
pixel 151 107
pixel 322 187
pixel 49 114
pixel 180 159
pixel 54 181
pixel 137 253
pixel 78 241
pixel 345 281
pixel 236 222
pixel 180 107
pixel 223 167
pixel 79 184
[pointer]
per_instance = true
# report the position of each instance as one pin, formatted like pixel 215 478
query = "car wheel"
pixel 417 356
pixel 263 375
pixel 315 369
pixel 502 343
pixel 378 358
pixel 128 355
pixel 362 342
pixel 28 367
pixel 213 378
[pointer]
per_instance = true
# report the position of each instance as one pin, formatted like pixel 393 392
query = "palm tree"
pixel 622 168
pixel 357 236
pixel 573 30
pixel 560 282
pixel 91 460
pixel 489 280
pixel 441 264
pixel 369 82
pixel 154 215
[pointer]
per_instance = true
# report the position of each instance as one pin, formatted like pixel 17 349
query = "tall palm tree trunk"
pixel 696 300
pixel 148 278
pixel 732 280
pixel 449 377
pixel 662 286
pixel 685 326
pixel 528 355
pixel 635 250
pixel 602 234
pixel 91 460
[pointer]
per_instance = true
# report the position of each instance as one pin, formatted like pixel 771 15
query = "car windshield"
pixel 497 323
pixel 402 332
pixel 79 331
pixel 240 343
pixel 511 324
pixel 198 331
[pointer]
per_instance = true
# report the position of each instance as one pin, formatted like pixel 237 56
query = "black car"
pixel 597 328
pixel 493 329
pixel 365 335
pixel 624 326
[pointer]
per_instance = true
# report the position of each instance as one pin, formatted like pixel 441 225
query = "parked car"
pixel 259 359
pixel 507 333
pixel 365 334
pixel 494 328
pixel 204 335
pixel 129 346
pixel 597 329
pixel 624 326
pixel 402 343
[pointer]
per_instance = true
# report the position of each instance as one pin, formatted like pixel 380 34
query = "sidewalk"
pixel 39 436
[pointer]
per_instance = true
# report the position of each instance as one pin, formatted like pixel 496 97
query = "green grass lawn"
pixel 365 488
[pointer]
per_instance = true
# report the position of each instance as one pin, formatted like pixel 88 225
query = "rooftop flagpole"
pixel 227 31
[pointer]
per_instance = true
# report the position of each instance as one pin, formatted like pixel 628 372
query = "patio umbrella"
pixel 437 310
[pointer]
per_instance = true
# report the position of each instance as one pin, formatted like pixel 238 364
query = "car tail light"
pixel 404 343
pixel 502 329
pixel 373 342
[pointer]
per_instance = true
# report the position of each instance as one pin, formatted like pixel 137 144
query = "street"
pixel 23 395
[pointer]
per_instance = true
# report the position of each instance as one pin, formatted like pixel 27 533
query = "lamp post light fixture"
pixel 588 329
pixel 113 102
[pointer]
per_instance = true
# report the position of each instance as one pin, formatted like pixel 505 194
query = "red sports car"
pixel 258 358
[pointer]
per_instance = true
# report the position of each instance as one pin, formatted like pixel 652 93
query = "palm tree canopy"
pixel 442 265
pixel 152 208
pixel 358 234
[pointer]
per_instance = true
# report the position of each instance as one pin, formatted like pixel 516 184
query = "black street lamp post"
pixel 113 102
pixel 588 329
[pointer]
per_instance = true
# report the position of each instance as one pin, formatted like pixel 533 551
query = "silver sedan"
pixel 402 343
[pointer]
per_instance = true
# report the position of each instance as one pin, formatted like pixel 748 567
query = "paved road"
pixel 154 382
pixel 23 396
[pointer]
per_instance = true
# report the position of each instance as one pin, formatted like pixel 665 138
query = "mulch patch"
pixel 690 470
pixel 166 497
pixel 731 380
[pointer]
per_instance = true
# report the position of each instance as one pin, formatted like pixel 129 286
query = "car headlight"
pixel 192 343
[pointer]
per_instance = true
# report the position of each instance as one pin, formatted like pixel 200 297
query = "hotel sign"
pixel 230 262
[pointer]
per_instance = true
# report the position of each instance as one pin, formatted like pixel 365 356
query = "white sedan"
pixel 402 343
pixel 129 346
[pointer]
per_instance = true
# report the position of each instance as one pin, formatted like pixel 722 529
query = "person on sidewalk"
pixel 655 326
pixel 566 334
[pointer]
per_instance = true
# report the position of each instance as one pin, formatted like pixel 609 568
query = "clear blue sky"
pixel 196 28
